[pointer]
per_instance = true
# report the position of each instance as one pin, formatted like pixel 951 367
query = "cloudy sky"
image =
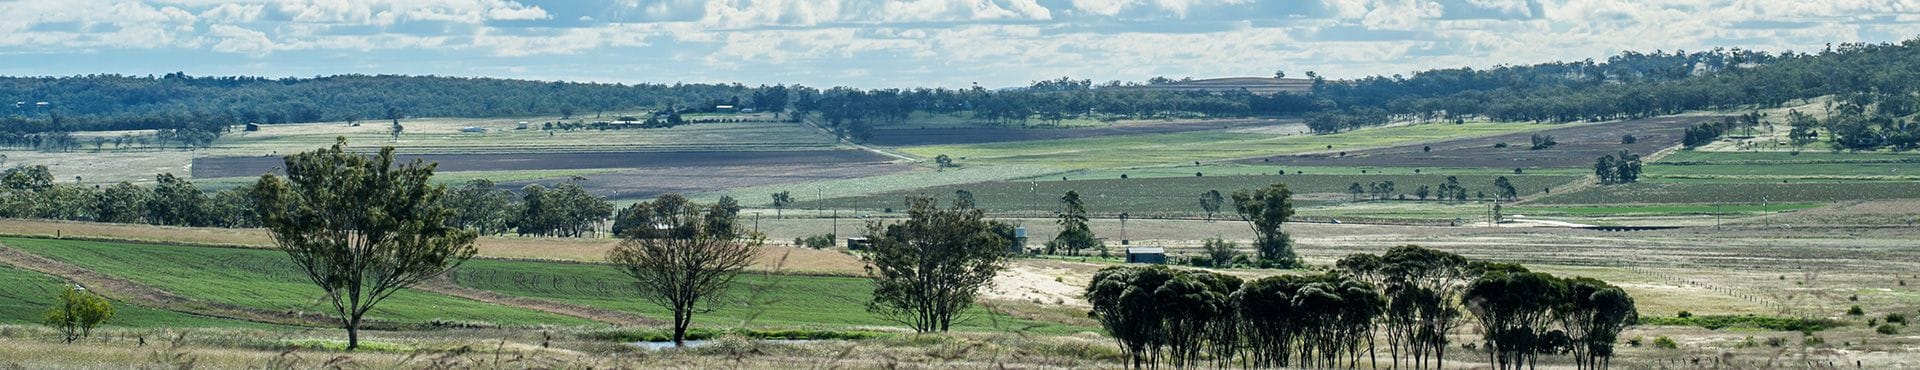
pixel 896 43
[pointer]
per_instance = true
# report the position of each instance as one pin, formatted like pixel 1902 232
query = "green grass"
pixel 1738 192
pixel 761 196
pixel 1171 196
pixel 262 279
pixel 794 301
pixel 1235 169
pixel 1707 157
pixel 1717 322
pixel 1776 171
pixel 26 295
pixel 1162 149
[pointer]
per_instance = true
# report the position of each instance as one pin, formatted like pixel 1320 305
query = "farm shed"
pixel 856 243
pixel 1153 255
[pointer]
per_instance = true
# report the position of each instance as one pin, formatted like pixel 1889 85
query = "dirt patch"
pixel 1578 146
pixel 1043 282
pixel 647 183
pixel 974 135
pixel 213 167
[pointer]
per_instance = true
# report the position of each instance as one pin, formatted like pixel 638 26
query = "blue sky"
pixel 952 43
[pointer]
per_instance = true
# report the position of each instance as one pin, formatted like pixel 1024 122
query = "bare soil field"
pixel 1578 146
pixel 643 183
pixel 974 135
pixel 253 166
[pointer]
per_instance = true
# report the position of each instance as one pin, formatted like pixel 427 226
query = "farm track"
pixel 447 284
pixel 144 295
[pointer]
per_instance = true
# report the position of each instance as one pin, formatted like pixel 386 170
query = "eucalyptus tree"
pixel 1264 211
pixel 682 256
pixel 928 268
pixel 360 227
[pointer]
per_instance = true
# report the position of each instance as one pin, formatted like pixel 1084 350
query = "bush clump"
pixel 1663 342
pixel 1887 329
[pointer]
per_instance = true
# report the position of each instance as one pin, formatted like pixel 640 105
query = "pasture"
pixel 1215 145
pixel 1176 196
pixel 264 280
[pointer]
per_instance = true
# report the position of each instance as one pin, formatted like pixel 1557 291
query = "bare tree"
pixel 682 256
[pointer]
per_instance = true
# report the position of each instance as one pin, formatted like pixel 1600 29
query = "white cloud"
pixel 234 13
pixel 240 40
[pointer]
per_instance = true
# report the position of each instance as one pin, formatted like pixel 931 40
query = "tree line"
pixel 1628 85
pixel 565 209
pixel 1406 300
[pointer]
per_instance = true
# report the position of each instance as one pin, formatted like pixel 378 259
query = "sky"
pixel 907 43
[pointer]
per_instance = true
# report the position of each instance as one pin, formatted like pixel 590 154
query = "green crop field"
pixel 1231 169
pixel 1170 196
pixel 759 300
pixel 1860 171
pixel 25 295
pixel 1712 157
pixel 1739 192
pixel 1161 149
pixel 261 279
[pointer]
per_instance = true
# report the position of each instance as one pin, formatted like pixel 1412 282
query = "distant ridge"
pixel 1256 85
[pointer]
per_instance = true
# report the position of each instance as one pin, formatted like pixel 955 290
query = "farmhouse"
pixel 1153 255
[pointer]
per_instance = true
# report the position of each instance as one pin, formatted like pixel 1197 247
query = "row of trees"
pixel 31 192
pixel 1408 299
pixel 563 210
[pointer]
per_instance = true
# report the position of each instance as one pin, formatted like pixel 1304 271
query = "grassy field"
pixel 1146 150
pixel 1171 196
pixel 261 279
pixel 1748 192
pixel 760 300
pixel 1233 169
pixel 25 295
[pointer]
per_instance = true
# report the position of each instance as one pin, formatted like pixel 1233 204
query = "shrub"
pixel 1663 342
pixel 1717 322
pixel 1635 342
pixel 1500 145
pixel 1897 318
pixel 1776 341
pixel 821 241
pixel 1812 340
pixel 1887 329
pixel 1684 314
pixel 1856 311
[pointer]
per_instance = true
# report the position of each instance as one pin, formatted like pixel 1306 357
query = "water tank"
pixel 1020 232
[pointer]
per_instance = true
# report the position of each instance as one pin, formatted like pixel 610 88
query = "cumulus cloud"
pixel 944 42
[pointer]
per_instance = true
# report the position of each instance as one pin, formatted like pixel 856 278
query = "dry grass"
pixel 798 260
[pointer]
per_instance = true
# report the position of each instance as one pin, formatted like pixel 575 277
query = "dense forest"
pixel 1874 78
